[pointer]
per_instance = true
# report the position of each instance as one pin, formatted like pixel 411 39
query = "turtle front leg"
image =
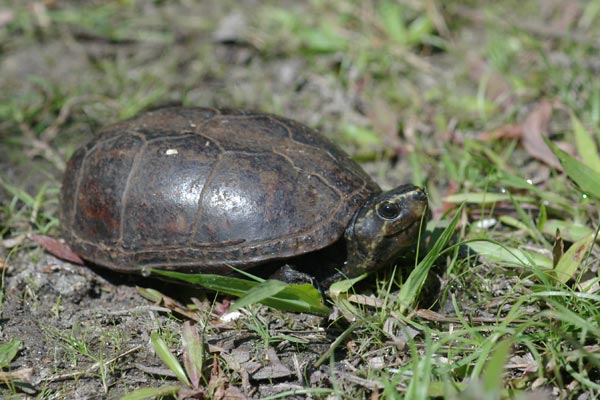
pixel 288 274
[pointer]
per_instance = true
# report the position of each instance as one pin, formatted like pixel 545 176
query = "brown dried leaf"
pixel 232 393
pixel 366 300
pixel 13 241
pixel 451 188
pixel 510 132
pixel 534 128
pixel 218 381
pixel 275 369
pixel 569 13
pixel 57 248
pixel 6 17
pixel 193 353
pixel 179 308
pixel 22 374
pixel 590 286
pixel 557 249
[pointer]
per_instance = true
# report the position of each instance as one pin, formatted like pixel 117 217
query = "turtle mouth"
pixel 413 225
pixel 408 235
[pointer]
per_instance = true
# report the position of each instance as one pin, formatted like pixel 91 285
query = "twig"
pixel 133 310
pixel 51 131
pixel 156 370
pixel 40 147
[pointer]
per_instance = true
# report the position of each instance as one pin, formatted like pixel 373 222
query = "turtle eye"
pixel 388 210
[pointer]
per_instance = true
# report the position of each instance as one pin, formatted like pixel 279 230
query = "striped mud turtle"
pixel 202 190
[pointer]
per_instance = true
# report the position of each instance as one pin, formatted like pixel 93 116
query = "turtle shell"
pixel 201 189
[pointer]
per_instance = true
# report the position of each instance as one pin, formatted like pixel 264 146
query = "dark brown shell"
pixel 203 189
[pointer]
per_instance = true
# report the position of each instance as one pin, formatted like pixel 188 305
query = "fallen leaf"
pixel 232 393
pixel 193 353
pixel 574 257
pixel 451 189
pixel 557 248
pixel 510 132
pixel 218 381
pixel 13 241
pixel 6 17
pixel 274 369
pixel 590 286
pixel 569 13
pixel 534 128
pixel 57 248
pixel 22 374
pixel 168 302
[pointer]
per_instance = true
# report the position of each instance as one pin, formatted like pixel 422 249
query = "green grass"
pixel 408 89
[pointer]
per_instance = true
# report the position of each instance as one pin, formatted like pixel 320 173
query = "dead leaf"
pixel 221 308
pixel 557 248
pixel 377 362
pixel 13 241
pixel 590 286
pixel 22 374
pixel 274 369
pixel 510 132
pixel 232 393
pixel 352 347
pixel 451 188
pixel 57 248
pixel 534 128
pixel 218 381
pixel 171 304
pixel 525 363
pixel 569 14
pixel 366 300
pixel 192 351
pixel 431 315
pixel 6 17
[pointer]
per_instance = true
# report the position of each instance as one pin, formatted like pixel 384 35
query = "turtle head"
pixel 383 227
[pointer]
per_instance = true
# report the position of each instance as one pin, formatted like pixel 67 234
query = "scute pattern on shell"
pixel 204 189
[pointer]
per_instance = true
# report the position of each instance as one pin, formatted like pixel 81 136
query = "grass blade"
pixel 410 289
pixel 586 146
pixel 162 350
pixel 193 352
pixel 296 298
pixel 486 198
pixel 572 259
pixel 259 293
pixel 494 369
pixel 151 393
pixel 585 177
pixel 8 351
pixel 509 255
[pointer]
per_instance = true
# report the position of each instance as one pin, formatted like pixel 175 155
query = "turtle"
pixel 209 190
